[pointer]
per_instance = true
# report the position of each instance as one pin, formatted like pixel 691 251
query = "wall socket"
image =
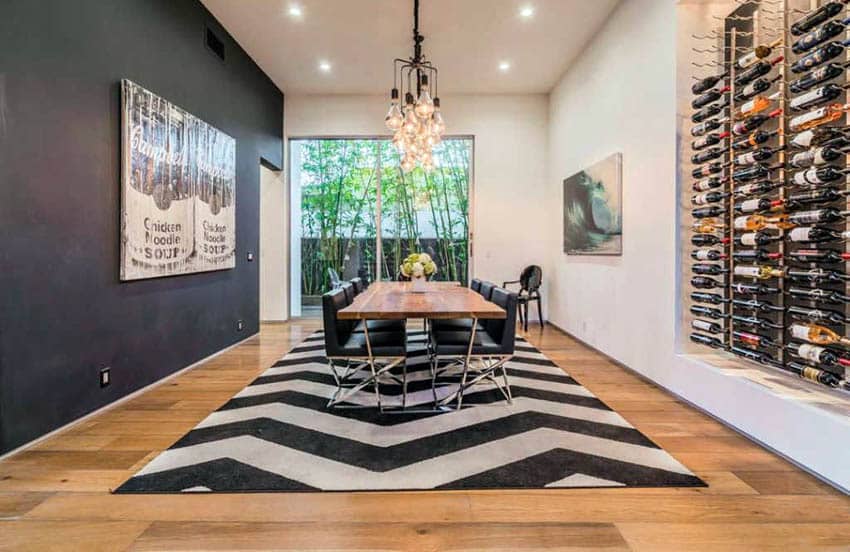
pixel 105 376
pixel 250 256
pixel 240 325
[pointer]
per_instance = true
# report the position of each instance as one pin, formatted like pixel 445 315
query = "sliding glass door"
pixel 354 212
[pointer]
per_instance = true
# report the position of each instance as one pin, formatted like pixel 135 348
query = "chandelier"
pixel 418 126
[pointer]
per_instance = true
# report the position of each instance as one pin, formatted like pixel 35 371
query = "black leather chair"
pixel 457 323
pixel 493 347
pixel 348 289
pixel 374 354
pixel 529 282
pixel 486 289
pixel 475 285
pixel 359 285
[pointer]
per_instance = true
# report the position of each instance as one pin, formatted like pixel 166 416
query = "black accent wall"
pixel 63 312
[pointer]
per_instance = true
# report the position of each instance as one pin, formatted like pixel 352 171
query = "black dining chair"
pixel 486 290
pixel 348 289
pixel 475 285
pixel 529 282
pixel 457 323
pixel 493 346
pixel 372 354
pixel 359 285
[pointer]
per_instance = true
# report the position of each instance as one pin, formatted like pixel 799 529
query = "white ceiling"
pixel 466 40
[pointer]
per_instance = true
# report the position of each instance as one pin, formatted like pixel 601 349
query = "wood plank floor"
pixel 55 496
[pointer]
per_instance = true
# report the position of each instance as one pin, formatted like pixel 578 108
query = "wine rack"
pixel 768 158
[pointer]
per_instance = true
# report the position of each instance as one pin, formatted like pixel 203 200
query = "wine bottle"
pixel 756 105
pixel 815 275
pixel 812 197
pixel 708 183
pixel 714 314
pixel 757 53
pixel 703 282
pixel 760 272
pixel 754 139
pixel 709 169
pixel 818 175
pixel 752 172
pixel 711 298
pixel 818 36
pixel 755 238
pixel 815 156
pixel 754 255
pixel 756 305
pixel 709 197
pixel 756 155
pixel 707 255
pixel 706 326
pixel 757 356
pixel 709 97
pixel 817 117
pixel 700 240
pixel 816 216
pixel 754 88
pixel 748 125
pixel 753 339
pixel 753 289
pixel 707 226
pixel 706 155
pixel 816 315
pixel 708 126
pixel 710 139
pixel 825 256
pixel 815 234
pixel 816 17
pixel 814 98
pixel 813 374
pixel 706 340
pixel 819 335
pixel 756 205
pixel 816 353
pixel 710 211
pixel 708 269
pixel 708 82
pixel 820 137
pixel 814 58
pixel 757 70
pixel 819 75
pixel 820 296
pixel 709 111
pixel 756 188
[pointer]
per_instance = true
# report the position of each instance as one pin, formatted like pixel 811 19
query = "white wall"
pixel 509 171
pixel 620 95
pixel 273 240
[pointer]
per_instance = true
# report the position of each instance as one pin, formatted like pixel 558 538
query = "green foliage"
pixel 338 206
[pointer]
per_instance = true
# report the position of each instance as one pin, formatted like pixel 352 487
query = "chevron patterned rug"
pixel 278 435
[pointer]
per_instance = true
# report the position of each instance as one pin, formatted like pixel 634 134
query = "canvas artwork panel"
pixel 593 209
pixel 178 190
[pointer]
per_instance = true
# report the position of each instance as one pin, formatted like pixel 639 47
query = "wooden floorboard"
pixel 55 495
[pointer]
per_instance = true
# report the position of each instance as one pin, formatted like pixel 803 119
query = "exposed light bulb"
pixel 411 123
pixel 407 164
pixel 394 117
pixel 398 140
pixel 425 105
pixel 428 165
pixel 438 125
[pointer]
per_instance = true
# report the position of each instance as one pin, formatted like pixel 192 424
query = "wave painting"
pixel 593 211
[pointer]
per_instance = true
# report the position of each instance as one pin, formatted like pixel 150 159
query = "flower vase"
pixel 417 285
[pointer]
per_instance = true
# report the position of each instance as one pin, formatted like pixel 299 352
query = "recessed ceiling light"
pixel 295 11
pixel 526 12
pixel 324 66
pixel 504 66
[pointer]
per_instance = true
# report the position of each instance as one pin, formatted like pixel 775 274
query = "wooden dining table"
pixel 438 301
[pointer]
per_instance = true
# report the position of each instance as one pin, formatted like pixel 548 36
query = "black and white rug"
pixel 278 435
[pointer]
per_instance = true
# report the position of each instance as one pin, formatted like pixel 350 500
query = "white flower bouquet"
pixel 417 267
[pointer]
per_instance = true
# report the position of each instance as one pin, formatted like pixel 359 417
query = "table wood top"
pixel 441 300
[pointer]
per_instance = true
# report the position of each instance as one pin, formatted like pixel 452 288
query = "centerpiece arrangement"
pixel 418 267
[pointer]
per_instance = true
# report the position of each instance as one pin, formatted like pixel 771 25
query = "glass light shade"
pixel 411 123
pixel 427 165
pixel 425 105
pixel 437 123
pixel 398 140
pixel 394 117
pixel 407 164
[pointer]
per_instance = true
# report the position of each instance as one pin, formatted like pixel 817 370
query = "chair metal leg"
pixel 466 363
pixel 525 317
pixel 519 312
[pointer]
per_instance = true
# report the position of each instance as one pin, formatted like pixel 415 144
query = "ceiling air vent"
pixel 215 44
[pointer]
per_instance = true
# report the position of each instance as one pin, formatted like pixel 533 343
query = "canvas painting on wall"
pixel 178 190
pixel 593 210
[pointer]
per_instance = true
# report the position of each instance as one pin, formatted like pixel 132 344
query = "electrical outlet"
pixel 105 378
pixel 250 256
pixel 240 325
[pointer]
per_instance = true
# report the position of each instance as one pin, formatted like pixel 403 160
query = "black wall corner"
pixel 63 312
